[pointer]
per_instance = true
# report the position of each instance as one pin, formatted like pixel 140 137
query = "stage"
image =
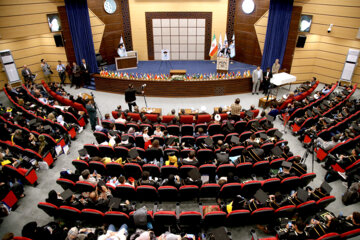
pixel 201 79
pixel 191 67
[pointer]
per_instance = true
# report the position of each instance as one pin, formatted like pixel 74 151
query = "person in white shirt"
pixel 60 68
pixel 43 99
pixel 257 78
pixel 146 135
pixel 121 51
pixel 158 132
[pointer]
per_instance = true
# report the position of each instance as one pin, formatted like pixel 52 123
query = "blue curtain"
pixel 79 23
pixel 277 31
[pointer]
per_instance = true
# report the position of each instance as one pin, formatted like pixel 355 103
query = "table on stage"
pixel 189 111
pixel 177 72
pixel 151 110
pixel 224 109
pixel 280 79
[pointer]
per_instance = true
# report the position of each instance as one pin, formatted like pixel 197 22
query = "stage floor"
pixel 191 67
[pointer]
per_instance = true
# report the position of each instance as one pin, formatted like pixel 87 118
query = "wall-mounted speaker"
pixel 301 41
pixel 58 40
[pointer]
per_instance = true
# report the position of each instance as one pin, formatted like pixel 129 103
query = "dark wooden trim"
pixel 66 34
pixel 292 38
pixel 149 28
pixel 230 18
pixel 176 88
pixel 125 12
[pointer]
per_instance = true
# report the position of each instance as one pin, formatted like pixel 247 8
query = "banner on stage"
pixel 165 54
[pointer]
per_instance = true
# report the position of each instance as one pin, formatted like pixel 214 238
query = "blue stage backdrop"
pixel 277 31
pixel 79 23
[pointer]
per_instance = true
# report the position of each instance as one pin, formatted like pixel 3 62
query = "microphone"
pixel 143 86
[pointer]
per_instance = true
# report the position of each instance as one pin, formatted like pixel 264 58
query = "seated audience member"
pixel 113 234
pixel 55 198
pixel 91 178
pixel 200 132
pixel 285 171
pixel 146 179
pixel 222 157
pixel 343 161
pixel 158 132
pixel 155 146
pixel 191 159
pixel 99 199
pixel 327 145
pixel 296 230
pixel 108 118
pixel 273 111
pixel 353 221
pixel 172 180
pixel 237 203
pixel 172 160
pixel 326 89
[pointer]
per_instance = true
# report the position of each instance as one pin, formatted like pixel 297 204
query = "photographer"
pixel 130 96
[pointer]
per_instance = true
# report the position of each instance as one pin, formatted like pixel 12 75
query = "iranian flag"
pixel 214 47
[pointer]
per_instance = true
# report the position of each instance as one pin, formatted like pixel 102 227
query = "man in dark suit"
pixel 85 75
pixel 266 80
pixel 27 75
pixel 92 114
pixel 130 96
pixel 76 75
pixel 225 52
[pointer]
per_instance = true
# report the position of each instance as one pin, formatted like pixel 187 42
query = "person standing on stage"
pixel 266 82
pixel 276 66
pixel 76 75
pixel 92 113
pixel 257 78
pixel 85 72
pixel 121 51
pixel 130 96
pixel 60 68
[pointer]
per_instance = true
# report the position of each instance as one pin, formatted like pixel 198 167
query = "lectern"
pixel 222 64
pixel 127 62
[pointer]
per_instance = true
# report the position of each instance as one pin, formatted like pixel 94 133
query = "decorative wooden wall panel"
pixel 68 44
pixel 246 42
pixel 292 38
pixel 176 88
pixel 230 18
pixel 116 25
pixel 126 24
pixel 149 28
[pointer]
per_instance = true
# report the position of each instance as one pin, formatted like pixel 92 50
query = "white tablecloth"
pixel 279 79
